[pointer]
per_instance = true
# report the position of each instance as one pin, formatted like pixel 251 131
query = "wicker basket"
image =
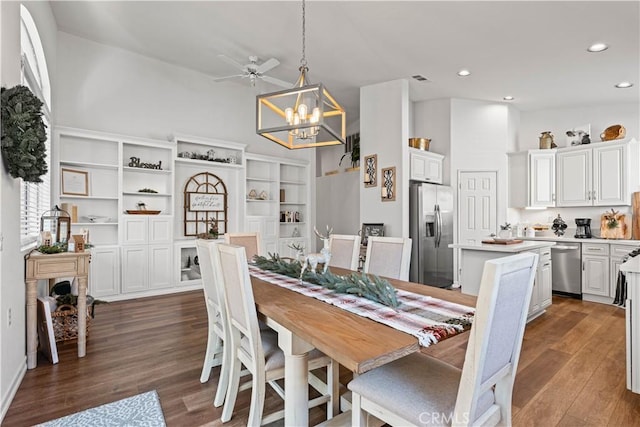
pixel 65 323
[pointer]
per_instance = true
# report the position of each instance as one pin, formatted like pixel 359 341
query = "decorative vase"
pixel 504 233
pixel 546 140
pixel 559 226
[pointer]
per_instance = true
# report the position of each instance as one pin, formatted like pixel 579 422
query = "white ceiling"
pixel 532 50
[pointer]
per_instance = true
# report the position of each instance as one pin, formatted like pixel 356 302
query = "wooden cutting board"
pixel 636 215
pixel 503 242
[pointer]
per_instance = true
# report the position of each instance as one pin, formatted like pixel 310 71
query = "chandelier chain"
pixel 303 61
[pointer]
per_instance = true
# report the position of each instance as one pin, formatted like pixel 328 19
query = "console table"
pixel 53 266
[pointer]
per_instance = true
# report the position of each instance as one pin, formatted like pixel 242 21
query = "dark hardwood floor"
pixel 571 372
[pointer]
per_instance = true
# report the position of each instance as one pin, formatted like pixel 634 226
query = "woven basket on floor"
pixel 65 323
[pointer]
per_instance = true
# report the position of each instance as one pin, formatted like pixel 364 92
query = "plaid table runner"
pixel 428 319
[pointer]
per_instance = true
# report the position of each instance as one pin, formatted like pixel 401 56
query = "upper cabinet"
pixel 532 179
pixel 425 166
pixel 599 175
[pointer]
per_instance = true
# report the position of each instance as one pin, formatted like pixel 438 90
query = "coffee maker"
pixel 583 228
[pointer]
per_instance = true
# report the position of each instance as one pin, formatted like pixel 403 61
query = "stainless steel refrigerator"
pixel 431 231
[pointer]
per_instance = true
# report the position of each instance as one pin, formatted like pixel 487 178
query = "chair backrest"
pixel 250 241
pixel 210 282
pixel 238 295
pixel 388 257
pixel 345 251
pixel 496 339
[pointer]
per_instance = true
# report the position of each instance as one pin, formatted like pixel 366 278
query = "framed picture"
pixel 579 135
pixel 370 170
pixel 207 202
pixel 75 182
pixel 371 229
pixel 388 192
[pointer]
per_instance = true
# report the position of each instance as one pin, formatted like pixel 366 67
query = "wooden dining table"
pixel 357 343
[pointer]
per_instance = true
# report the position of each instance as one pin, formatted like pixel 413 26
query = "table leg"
pixel 296 378
pixel 32 324
pixel 82 316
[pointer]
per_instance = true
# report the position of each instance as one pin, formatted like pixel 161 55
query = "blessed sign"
pixel 136 163
pixel 199 202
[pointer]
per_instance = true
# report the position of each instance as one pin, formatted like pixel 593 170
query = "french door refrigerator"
pixel 431 231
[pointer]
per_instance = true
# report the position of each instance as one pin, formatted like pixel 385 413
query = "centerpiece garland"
pixel 372 288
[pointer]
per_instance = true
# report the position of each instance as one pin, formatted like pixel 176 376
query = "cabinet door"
pixel 426 168
pixel 160 271
pixel 610 175
pixel 595 275
pixel 104 274
pixel 270 228
pixel 573 176
pixel 534 305
pixel 544 284
pixel 135 230
pixel 613 280
pixel 542 179
pixel 160 230
pixel 270 246
pixel 135 268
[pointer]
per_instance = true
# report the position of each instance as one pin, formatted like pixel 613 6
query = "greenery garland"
pixel 23 134
pixel 373 288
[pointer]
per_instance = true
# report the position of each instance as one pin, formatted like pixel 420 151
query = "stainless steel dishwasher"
pixel 567 269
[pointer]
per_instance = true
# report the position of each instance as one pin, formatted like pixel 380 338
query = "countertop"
pixel 591 240
pixel 632 265
pixel 490 247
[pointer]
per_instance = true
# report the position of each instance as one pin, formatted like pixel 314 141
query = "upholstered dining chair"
pixel 388 257
pixel 345 250
pixel 420 390
pixel 250 241
pixel 214 355
pixel 257 350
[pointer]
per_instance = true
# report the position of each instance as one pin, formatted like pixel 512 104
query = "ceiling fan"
pixel 253 71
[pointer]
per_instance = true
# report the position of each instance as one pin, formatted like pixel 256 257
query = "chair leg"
pixel 223 381
pixel 358 416
pixel 214 346
pixel 234 380
pixel 257 401
pixel 503 395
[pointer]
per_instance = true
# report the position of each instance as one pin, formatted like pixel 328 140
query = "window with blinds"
pixel 35 198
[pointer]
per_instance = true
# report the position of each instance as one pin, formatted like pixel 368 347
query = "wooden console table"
pixel 53 266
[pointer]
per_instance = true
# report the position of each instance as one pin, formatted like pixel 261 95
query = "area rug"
pixel 140 410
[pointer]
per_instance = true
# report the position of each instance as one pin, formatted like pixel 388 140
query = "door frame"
pixel 456 235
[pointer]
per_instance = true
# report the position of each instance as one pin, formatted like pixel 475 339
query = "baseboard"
pixel 15 384
pixel 151 293
pixel 598 299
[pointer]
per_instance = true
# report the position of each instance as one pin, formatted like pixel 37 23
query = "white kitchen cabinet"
pixel 267 226
pixel 425 166
pixel 595 273
pixel 146 229
pixel 532 178
pixel 160 266
pixel 599 175
pixel 104 274
pixel 135 271
pixel 541 294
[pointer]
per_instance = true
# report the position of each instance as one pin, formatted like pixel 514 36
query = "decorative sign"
pixel 135 163
pixel 206 202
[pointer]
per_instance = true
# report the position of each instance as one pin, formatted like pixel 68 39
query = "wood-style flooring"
pixel 571 372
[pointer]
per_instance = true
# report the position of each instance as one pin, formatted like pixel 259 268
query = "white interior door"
pixel 477 205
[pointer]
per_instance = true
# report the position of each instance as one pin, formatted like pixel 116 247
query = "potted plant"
pixel 23 134
pixel 354 154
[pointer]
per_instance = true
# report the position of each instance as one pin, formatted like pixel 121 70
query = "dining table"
pixel 357 343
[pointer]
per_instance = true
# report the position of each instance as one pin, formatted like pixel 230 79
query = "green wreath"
pixel 23 134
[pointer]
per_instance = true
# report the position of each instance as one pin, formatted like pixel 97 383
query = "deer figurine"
pixel 311 261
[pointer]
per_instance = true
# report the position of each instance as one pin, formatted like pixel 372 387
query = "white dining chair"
pixel 214 355
pixel 250 241
pixel 388 257
pixel 345 250
pixel 257 350
pixel 420 390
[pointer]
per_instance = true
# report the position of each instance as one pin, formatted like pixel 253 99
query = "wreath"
pixel 23 134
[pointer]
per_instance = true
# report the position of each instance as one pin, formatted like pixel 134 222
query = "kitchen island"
pixel 631 269
pixel 473 256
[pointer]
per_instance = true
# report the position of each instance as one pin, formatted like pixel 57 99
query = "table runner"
pixel 428 319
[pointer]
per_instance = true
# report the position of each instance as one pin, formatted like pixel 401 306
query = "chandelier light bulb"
pixel 289 115
pixel 302 111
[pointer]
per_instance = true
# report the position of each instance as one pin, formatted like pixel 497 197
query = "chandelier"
pixel 301 117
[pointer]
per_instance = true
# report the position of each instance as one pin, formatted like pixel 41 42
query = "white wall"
pixel 432 119
pixel 384 130
pixel 12 289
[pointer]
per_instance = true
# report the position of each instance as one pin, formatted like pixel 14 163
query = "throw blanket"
pixel 428 319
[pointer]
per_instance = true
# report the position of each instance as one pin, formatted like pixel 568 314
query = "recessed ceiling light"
pixel 508 98
pixel 464 73
pixel 624 85
pixel 597 47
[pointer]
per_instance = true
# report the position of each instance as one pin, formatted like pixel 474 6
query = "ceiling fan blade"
pixel 235 76
pixel 267 65
pixel 277 82
pixel 230 61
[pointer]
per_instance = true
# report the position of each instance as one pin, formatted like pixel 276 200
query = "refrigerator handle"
pixel 438 225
